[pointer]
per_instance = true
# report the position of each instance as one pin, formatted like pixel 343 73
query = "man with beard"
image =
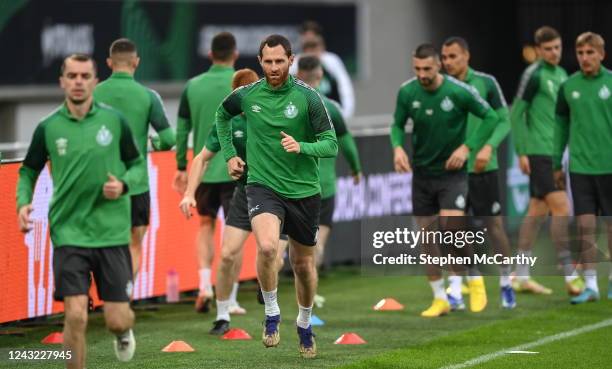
pixel 94 162
pixel 439 106
pixel 288 130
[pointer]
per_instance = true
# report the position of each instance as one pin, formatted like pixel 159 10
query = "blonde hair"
pixel 591 38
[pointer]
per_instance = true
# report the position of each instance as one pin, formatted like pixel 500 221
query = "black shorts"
pixel 432 194
pixel 541 178
pixel 111 268
pixel 141 209
pixel 483 193
pixel 327 211
pixel 299 217
pixel 592 194
pixel 210 196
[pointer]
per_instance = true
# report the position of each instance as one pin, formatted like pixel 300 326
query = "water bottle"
pixel 172 286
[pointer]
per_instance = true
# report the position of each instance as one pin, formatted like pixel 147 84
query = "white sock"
pixel 271 305
pixel 504 276
pixel 234 295
pixel 303 318
pixel 223 310
pixel 522 270
pixel 571 277
pixel 454 281
pixel 205 285
pixel 590 279
pixel 438 289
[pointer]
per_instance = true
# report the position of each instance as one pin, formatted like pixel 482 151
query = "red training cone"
pixel 350 339
pixel 388 304
pixel 178 346
pixel 53 338
pixel 236 334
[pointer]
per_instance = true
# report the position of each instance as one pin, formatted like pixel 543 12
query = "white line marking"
pixel 542 341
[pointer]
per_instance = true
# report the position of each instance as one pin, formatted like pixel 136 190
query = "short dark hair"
pixel 308 63
pixel 545 34
pixel 275 40
pixel 313 43
pixel 223 46
pixel 424 51
pixel 312 26
pixel 80 58
pixel 122 45
pixel 460 41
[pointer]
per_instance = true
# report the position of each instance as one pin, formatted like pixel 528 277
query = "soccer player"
pixel 533 120
pixel 584 122
pixel 311 72
pixel 237 225
pixel 197 107
pixel 288 131
pixel 439 106
pixel 336 83
pixel 142 107
pixel 94 162
pixel 483 187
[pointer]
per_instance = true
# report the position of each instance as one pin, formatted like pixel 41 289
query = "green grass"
pixel 395 339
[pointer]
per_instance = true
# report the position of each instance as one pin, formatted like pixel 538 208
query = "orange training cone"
pixel 236 334
pixel 350 339
pixel 53 338
pixel 178 346
pixel 388 304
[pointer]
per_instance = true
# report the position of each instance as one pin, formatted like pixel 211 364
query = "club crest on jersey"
pixel 447 104
pixel 104 136
pixel 239 134
pixel 575 95
pixel 255 108
pixel 291 111
pixel 604 93
pixel 429 111
pixel 416 104
pixel 61 144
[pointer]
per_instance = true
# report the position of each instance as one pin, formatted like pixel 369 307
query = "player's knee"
pixel 267 249
pixel 118 324
pixel 303 266
pixel 76 320
pixel 228 258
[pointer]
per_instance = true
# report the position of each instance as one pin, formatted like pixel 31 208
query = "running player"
pixel 584 122
pixel 439 106
pixel 483 187
pixel 289 130
pixel 533 122
pixel 94 162
pixel 141 107
pixel 311 72
pixel 199 101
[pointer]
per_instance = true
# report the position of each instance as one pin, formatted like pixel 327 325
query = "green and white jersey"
pixel 489 90
pixel 199 102
pixel 81 154
pixel 294 108
pixel 141 106
pixel 584 119
pixel 346 143
pixel 533 110
pixel 440 122
pixel 239 140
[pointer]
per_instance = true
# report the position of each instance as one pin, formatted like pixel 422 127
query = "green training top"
pixel 239 139
pixel 584 118
pixel 489 90
pixel 533 109
pixel 327 166
pixel 440 122
pixel 82 153
pixel 141 106
pixel 197 108
pixel 294 108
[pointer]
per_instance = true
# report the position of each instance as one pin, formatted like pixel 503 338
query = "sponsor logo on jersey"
pixel 61 144
pixel 575 95
pixel 239 134
pixel 604 93
pixel 429 111
pixel 291 111
pixel 255 108
pixel 416 104
pixel 447 104
pixel 460 202
pixel 104 136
